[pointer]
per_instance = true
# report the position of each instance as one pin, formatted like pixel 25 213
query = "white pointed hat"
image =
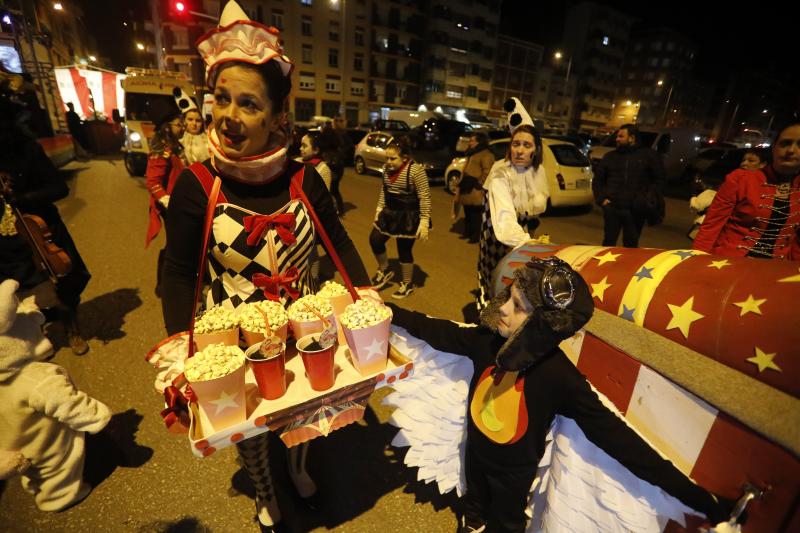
pixel 237 38
pixel 517 114
pixel 185 102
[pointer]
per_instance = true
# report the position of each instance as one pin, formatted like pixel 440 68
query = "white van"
pixel 413 118
pixel 142 88
pixel 677 146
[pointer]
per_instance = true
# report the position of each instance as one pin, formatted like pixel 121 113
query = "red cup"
pixel 270 373
pixel 318 363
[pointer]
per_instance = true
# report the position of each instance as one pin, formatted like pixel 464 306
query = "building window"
pixel 180 38
pixel 605 40
pixel 457 69
pixel 359 36
pixel 358 62
pixel 665 62
pixel 305 2
pixel 277 18
pixel 305 26
pixel 454 91
pixel 332 85
pixel 475 69
pixel 304 109
pixel 307 54
pixel 333 58
pixel 472 91
pixel 483 96
pixel 433 86
pixel 333 31
pixel 357 87
pixel 307 81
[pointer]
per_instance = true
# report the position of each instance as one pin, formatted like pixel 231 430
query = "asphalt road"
pixel 146 479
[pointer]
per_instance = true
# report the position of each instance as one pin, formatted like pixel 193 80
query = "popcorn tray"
pixel 302 413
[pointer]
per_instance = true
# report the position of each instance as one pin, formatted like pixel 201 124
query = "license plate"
pixel 581 184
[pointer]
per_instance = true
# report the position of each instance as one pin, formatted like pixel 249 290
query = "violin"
pixel 47 256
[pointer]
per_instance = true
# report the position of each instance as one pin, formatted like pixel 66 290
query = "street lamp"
pixel 669 97
pixel 139 46
pixel 57 6
pixel 558 55
pixel 92 58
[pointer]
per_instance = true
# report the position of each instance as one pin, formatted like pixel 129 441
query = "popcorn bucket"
pixel 339 304
pixel 302 329
pixel 318 363
pixel 369 347
pixel 228 337
pixel 254 337
pixel 270 373
pixel 223 399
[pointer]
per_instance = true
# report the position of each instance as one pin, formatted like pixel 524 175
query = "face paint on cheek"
pixel 223 79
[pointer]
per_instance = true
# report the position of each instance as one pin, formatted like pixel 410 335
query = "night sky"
pixel 760 36
pixel 727 38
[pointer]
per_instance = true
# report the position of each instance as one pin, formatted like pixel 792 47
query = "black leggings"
pixel 377 241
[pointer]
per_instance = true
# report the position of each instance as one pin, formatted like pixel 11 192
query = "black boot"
pixel 76 341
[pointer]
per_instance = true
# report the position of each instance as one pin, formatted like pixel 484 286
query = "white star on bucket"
pixel 375 349
pixel 224 401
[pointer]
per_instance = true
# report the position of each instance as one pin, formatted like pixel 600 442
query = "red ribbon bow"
pixel 258 225
pixel 176 414
pixel 271 285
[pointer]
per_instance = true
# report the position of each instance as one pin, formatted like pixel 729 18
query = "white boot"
pixel 297 470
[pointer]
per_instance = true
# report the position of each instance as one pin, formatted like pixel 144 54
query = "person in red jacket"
pixel 165 162
pixel 756 213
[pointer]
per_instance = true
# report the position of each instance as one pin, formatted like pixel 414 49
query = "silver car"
pixel 370 156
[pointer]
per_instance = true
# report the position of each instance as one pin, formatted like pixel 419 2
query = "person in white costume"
pixel 516 193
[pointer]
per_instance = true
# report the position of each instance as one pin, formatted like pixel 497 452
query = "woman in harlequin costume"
pixel 522 380
pixel 756 213
pixel 262 231
pixel 194 140
pixel 516 192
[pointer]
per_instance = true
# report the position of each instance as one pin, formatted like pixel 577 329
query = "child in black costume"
pixel 522 380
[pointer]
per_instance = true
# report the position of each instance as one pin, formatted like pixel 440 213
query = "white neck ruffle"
pixel 257 169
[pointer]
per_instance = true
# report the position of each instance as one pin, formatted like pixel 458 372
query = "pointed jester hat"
pixel 240 39
pixel 562 304
pixel 517 114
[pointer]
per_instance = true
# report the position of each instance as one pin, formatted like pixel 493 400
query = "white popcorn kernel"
pixel 215 361
pixel 216 319
pixel 364 313
pixel 299 311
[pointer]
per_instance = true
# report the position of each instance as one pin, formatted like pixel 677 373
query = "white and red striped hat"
pixel 237 38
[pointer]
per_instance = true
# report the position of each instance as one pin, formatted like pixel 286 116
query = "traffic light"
pixel 180 9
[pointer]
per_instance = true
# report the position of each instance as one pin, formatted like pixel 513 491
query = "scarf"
pixel 393 177
pixel 255 169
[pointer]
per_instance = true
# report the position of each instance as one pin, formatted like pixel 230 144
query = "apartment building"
pixel 596 39
pixel 460 57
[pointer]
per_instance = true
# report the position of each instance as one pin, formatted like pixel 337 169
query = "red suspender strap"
pixel 296 191
pixel 206 180
pixel 214 195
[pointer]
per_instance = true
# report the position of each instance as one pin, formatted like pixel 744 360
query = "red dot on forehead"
pixel 223 79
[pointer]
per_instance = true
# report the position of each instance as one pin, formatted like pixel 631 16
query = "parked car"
pixel 370 156
pixel 677 147
pixel 707 157
pixel 395 127
pixel 413 118
pixel 712 176
pixel 569 172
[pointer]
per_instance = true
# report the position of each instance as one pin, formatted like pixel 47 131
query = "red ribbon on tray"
pixel 176 414
pixel 271 285
pixel 258 225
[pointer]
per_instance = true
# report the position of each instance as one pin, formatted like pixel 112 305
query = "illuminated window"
pixel 605 40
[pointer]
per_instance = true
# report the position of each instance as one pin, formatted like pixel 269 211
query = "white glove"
pixel 422 230
pixel 164 200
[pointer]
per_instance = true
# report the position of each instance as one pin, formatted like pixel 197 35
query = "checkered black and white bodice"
pixel 253 256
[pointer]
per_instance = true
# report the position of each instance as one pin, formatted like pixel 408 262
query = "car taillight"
pixel 561 184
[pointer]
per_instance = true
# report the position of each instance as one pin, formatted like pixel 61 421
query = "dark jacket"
pixel 552 386
pixel 625 173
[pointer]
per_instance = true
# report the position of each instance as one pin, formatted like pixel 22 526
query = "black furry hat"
pixel 163 110
pixel 562 305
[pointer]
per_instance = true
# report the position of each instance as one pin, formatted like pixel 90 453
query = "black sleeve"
pixel 599 181
pixel 610 433
pixel 658 174
pixel 442 335
pixel 321 200
pixel 184 225
pixel 43 186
